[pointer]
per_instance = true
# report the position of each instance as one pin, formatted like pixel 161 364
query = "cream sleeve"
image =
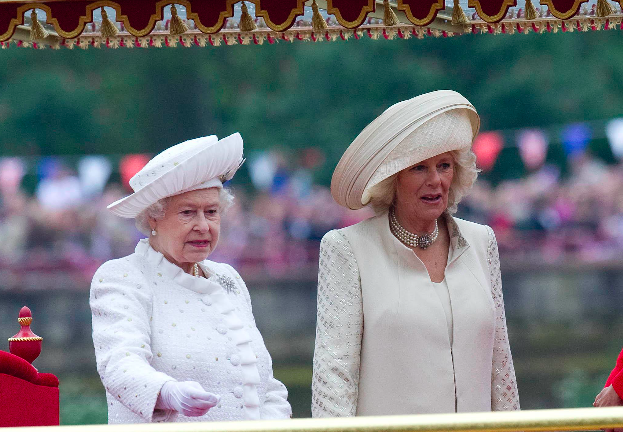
pixel 339 328
pixel 504 394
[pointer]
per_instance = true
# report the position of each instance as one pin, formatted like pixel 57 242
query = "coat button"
pixel 235 359
pixel 238 392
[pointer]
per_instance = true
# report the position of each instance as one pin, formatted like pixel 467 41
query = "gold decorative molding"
pixel 477 4
pixel 299 10
pixel 563 15
pixel 435 8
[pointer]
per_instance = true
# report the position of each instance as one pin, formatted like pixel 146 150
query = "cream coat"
pixel 153 323
pixel 401 361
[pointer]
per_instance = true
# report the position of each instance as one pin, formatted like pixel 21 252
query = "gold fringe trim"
pixel 458 16
pixel 26 339
pixel 177 26
pixel 246 21
pixel 389 16
pixel 604 8
pixel 161 39
pixel 24 321
pixel 318 22
pixel 108 28
pixel 36 30
pixel 530 11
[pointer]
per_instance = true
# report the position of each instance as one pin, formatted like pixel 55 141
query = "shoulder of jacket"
pixel 126 268
pixel 221 268
pixel 363 227
pixel 472 230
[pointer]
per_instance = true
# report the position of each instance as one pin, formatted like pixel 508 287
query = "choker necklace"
pixel 408 238
pixel 195 270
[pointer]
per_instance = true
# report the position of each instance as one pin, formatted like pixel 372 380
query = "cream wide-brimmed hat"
pixel 199 163
pixel 404 134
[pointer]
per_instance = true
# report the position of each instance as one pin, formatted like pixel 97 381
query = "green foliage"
pixel 82 400
pixel 296 95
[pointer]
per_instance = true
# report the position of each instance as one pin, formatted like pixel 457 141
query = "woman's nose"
pixel 202 224
pixel 433 177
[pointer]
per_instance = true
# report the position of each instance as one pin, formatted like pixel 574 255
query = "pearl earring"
pixel 153 232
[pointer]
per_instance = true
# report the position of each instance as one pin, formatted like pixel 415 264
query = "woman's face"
pixel 190 229
pixel 422 189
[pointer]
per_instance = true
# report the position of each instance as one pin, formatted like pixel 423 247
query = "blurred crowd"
pixel 276 229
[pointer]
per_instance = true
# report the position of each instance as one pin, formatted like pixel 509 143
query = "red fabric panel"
pixel 209 12
pixel 421 9
pixel 67 15
pixel 279 12
pixel 351 10
pixel 139 13
pixel 7 12
pixel 491 8
pixel 26 404
pixel 564 7
pixel 13 365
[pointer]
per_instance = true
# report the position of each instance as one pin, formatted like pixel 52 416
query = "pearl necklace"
pixel 195 270
pixel 408 238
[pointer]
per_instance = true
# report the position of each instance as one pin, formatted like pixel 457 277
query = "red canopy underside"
pixel 139 17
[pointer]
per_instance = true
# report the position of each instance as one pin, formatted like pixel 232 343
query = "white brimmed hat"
pixel 199 163
pixel 404 134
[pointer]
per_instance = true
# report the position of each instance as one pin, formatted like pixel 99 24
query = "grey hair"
pixel 158 209
pixel 465 174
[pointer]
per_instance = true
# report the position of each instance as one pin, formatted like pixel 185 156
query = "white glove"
pixel 187 397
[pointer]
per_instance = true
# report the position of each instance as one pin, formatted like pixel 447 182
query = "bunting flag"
pixel 130 165
pixel 12 171
pixel 487 146
pixel 94 172
pixel 532 146
pixel 614 132
pixel 575 138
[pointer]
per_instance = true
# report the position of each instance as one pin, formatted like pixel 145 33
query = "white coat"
pixel 153 323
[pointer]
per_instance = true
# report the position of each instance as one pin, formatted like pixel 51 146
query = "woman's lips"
pixel 199 243
pixel 431 199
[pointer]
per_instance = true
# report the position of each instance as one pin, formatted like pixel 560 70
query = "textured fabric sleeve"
pixel 339 328
pixel 276 405
pixel 121 313
pixel 504 394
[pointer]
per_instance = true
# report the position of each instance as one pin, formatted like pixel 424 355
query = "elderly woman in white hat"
pixel 174 334
pixel 410 311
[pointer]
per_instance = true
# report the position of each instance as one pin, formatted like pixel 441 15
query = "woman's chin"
pixel 198 256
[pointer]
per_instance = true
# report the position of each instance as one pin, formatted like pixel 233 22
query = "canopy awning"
pixel 144 23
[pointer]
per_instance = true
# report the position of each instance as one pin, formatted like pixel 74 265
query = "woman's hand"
pixel 608 397
pixel 187 397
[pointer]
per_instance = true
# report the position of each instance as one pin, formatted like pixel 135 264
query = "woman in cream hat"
pixel 410 311
pixel 174 334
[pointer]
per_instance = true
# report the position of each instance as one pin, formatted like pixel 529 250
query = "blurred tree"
pixel 298 95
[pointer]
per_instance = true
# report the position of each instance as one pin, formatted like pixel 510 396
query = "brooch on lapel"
pixel 228 284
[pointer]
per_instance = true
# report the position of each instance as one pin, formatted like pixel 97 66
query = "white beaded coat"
pixel 382 341
pixel 154 323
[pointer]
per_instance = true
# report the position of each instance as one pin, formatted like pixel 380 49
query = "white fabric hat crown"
pixel 403 135
pixel 199 163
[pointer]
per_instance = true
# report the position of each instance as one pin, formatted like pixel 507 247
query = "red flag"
pixel 130 165
pixel 487 147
